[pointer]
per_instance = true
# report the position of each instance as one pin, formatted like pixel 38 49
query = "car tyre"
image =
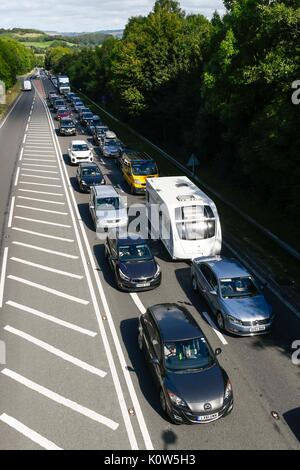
pixel 220 320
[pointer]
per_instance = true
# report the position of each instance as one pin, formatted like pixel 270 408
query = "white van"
pixel 27 85
pixel 183 217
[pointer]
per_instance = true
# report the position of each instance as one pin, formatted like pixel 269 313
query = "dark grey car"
pixel 193 387
pixel 233 295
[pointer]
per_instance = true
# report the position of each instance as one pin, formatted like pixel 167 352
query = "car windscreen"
pixel 87 115
pixel 108 203
pixel 80 147
pixel 238 287
pixel 144 168
pixel 59 103
pixel 138 252
pixel 111 142
pixel 90 171
pixel 96 122
pixel 188 354
pixel 67 123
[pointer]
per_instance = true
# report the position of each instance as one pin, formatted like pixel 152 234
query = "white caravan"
pixel 183 217
pixel 27 85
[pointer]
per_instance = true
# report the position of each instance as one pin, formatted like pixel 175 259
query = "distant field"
pixel 43 45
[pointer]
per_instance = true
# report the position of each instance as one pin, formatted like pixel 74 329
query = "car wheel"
pixel 220 320
pixel 194 283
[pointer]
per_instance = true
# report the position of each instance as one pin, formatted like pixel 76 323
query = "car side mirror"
pixel 69 150
pixel 155 361
pixel 218 351
pixel 213 292
pixel 92 206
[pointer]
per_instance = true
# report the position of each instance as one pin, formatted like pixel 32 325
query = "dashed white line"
pixel 24 139
pixel 43 235
pixel 56 352
pixel 3 274
pixel 11 211
pixel 41 200
pixel 138 302
pixel 213 326
pixel 46 392
pixel 48 289
pixel 45 250
pixel 17 176
pixel 29 433
pixel 21 154
pixel 46 268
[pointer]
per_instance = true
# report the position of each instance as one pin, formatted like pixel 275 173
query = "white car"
pixel 80 152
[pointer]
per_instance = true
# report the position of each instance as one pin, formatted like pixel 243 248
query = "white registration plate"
pixel 145 284
pixel 207 417
pixel 257 328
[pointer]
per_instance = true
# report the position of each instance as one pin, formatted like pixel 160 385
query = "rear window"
pixel 196 222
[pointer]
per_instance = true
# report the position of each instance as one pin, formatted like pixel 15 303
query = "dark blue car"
pixel 89 174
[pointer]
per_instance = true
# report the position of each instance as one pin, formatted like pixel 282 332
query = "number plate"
pixel 257 328
pixel 207 417
pixel 145 284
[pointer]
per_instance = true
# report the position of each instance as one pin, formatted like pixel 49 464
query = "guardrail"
pixel 285 246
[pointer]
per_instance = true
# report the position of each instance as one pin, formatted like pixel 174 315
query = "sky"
pixel 86 15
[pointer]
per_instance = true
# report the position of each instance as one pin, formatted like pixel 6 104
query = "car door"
pixel 92 205
pixel 154 349
pixel 113 254
pixel 78 174
pixel 211 287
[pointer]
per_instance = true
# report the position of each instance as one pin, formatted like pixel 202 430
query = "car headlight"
pixel 228 391
pixel 123 276
pixel 234 320
pixel 137 182
pixel 176 400
pixel 157 271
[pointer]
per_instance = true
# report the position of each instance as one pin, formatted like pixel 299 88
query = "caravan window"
pixel 195 222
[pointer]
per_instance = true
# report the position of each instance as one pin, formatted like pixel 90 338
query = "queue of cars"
pixel 193 387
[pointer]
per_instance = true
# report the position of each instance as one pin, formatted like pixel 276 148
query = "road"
pixel 74 377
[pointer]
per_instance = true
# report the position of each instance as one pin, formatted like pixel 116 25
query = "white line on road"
pixel 17 176
pixel 44 222
pixel 51 318
pixel 39 159
pixel 43 235
pixel 29 433
pixel 40 171
pixel 27 128
pixel 32 151
pixel 41 200
pixel 41 210
pixel 41 177
pixel 40 192
pixel 3 274
pixel 11 211
pixel 138 302
pixel 45 250
pixel 57 352
pixel 24 140
pixel 41 184
pixel 213 326
pixel 46 268
pixel 39 165
pixel 46 392
pixel 21 154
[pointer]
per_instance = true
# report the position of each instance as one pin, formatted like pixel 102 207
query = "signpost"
pixel 193 162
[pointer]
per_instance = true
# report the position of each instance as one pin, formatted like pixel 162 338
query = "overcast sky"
pixel 86 15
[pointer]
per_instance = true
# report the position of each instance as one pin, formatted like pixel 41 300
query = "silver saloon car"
pixel 233 295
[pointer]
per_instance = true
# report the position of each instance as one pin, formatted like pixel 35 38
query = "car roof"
pixel 106 190
pixel 136 156
pixel 130 239
pixel 79 142
pixel 225 267
pixel 88 165
pixel 175 322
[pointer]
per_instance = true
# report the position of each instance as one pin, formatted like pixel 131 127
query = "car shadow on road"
pixel 102 263
pixel 292 418
pixel 84 212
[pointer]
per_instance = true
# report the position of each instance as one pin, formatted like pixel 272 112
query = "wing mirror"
pixel 218 351
pixel 155 361
pixel 213 292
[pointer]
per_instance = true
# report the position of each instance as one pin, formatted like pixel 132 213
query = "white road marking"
pixel 38 151
pixel 41 184
pixel 11 110
pixel 115 377
pixel 11 211
pixel 41 210
pixel 213 326
pixel 29 433
pixel 41 200
pixel 17 176
pixel 52 178
pixel 57 352
pixel 58 293
pixel 27 128
pixel 46 392
pixel 38 146
pixel 40 192
pixel 45 250
pixel 39 159
pixel 3 275
pixel 24 140
pixel 40 171
pixel 21 154
pixel 43 235
pixel 46 268
pixel 44 222
pixel 137 302
pixel 39 165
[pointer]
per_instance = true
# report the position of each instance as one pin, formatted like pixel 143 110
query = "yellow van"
pixel 136 167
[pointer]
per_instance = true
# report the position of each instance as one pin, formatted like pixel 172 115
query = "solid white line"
pixel 57 352
pixel 17 176
pixel 48 289
pixel 41 200
pixel 40 171
pixel 21 154
pixel 3 274
pixel 137 302
pixel 213 326
pixel 24 140
pixel 45 268
pixel 44 250
pixel 46 392
pixel 41 210
pixel 29 433
pixel 40 192
pixel 68 240
pixel 45 222
pixel 41 184
pixel 52 319
pixel 11 211
pixel 11 110
pixel 38 165
pixel 115 377
pixel 41 177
